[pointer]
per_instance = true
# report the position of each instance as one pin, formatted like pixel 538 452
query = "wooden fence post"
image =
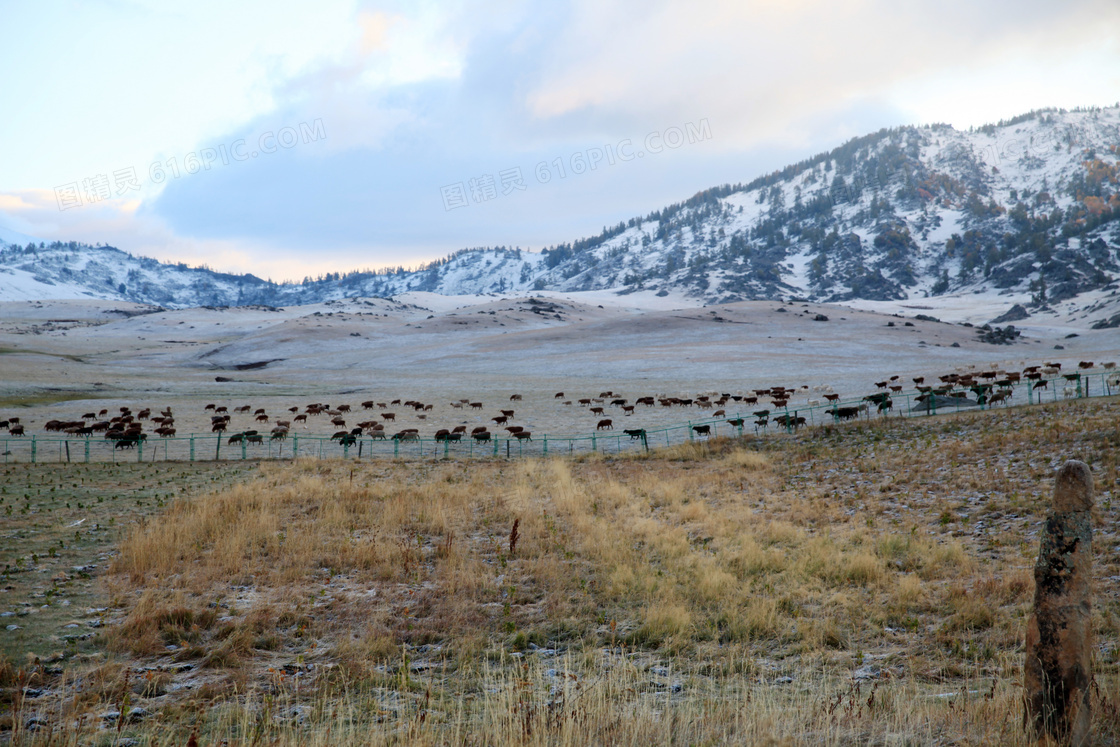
pixel 1058 667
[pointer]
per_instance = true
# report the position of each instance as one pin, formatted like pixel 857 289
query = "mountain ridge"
pixel 1028 207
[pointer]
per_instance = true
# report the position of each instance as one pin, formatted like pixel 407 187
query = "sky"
pixel 291 139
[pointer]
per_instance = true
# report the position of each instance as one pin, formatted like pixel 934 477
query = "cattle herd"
pixel 126 426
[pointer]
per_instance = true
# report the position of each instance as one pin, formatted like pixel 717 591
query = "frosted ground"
pixel 71 357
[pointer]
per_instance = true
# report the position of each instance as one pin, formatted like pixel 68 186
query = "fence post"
pixel 192 447
pixel 396 447
pixel 545 453
pixel 690 430
pixel 218 446
pixel 295 445
pixel 243 438
pixel 1057 673
pixel 140 450
pixel 593 447
pixel 87 451
pixel 33 448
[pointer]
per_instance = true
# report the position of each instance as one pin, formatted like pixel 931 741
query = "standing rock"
pixel 1057 671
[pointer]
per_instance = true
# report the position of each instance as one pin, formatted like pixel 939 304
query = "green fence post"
pixel 495 447
pixel 140 450
pixel 87 451
pixel 445 448
pixel 593 447
pixel 243 439
pixel 192 447
pixel 218 446
pixel 690 431
pixel 33 449
pixel 295 445
pixel 545 446
pixel 396 447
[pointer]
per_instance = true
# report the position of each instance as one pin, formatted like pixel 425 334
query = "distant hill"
pixel 1030 205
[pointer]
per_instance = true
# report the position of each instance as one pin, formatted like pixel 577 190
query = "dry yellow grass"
pixel 662 596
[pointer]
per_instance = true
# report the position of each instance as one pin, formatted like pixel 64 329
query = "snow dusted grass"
pixel 863 583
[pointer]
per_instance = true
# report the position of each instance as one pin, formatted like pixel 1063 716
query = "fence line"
pixel 197 447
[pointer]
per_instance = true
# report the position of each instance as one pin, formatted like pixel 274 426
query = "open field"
pixel 855 583
pixel 66 360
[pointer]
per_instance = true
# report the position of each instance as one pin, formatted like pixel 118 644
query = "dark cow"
pixel 605 425
pixel 635 433
pixel 702 430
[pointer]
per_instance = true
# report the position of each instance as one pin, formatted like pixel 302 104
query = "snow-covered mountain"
pixel 1027 206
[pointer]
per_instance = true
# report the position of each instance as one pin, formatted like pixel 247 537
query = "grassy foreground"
pixel 866 583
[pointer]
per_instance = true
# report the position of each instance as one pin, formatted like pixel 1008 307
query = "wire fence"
pixel 39 449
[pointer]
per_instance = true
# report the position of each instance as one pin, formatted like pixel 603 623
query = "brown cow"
pixel 605 425
pixel 523 436
pixel 500 420
pixel 515 398
pixel 596 410
pixel 389 416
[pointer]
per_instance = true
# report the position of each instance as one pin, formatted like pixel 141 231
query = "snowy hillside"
pixel 1028 209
